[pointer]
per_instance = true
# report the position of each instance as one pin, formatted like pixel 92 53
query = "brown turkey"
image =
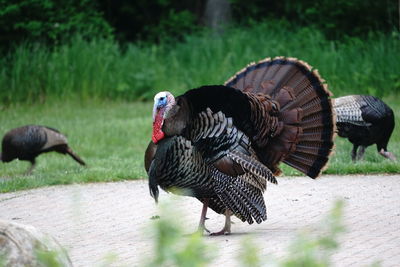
pixel 28 142
pixel 221 144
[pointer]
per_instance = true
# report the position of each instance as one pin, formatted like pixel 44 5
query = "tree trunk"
pixel 217 14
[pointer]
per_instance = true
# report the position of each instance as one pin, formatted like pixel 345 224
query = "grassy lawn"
pixel 112 137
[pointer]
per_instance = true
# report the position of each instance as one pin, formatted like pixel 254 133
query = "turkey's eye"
pixel 162 101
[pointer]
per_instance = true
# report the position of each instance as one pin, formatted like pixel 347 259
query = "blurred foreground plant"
pixel 306 250
pixel 309 250
pixel 173 247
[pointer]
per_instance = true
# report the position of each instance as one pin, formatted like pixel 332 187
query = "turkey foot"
pixel 224 231
pixel 387 154
pixel 227 227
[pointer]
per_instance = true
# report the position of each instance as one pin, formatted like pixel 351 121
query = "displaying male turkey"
pixel 27 142
pixel 221 144
pixel 365 120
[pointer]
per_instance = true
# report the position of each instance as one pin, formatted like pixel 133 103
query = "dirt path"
pixel 98 221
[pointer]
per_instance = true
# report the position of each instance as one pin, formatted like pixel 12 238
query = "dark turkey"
pixel 365 120
pixel 221 144
pixel 28 142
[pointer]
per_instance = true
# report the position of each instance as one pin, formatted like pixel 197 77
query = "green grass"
pixel 111 136
pixel 103 69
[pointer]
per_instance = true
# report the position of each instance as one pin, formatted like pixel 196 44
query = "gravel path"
pixel 96 222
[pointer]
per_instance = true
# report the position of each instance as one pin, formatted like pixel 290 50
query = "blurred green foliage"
pixel 152 20
pixel 50 258
pixel 315 251
pixel 57 21
pixel 308 249
pixel 102 68
pixel 249 255
pixel 50 21
pixel 174 26
pixel 336 19
pixel 173 248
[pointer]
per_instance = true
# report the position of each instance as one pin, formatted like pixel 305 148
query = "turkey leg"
pixel 227 227
pixel 361 152
pixel 202 226
pixel 354 153
pixel 29 171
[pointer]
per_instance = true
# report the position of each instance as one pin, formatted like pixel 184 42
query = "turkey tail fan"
pixel 308 121
pixel 75 156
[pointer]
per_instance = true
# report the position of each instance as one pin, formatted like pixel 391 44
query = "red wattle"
pixel 157 137
pixel 158 134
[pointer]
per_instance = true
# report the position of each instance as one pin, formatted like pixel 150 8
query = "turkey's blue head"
pixel 163 102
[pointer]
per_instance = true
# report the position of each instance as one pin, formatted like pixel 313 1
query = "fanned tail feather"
pixel 306 139
pixel 254 167
pixel 244 200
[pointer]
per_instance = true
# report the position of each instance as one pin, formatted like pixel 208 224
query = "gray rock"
pixel 24 245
